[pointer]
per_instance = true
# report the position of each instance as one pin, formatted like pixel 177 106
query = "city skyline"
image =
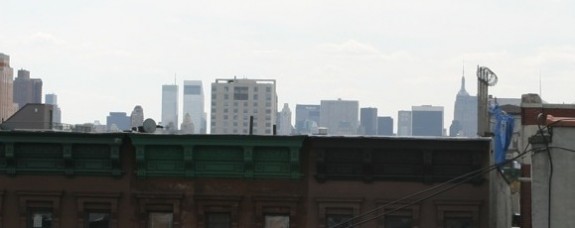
pixel 388 55
pixel 171 105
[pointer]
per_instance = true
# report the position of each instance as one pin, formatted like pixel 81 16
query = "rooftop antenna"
pixel 485 78
pixel 463 67
pixel 463 71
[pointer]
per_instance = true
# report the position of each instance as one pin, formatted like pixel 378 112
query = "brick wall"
pixel 525 197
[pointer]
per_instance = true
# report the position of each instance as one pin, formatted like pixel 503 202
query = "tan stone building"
pixel 234 101
pixel 7 107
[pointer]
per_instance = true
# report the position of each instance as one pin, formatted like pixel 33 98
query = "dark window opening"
pixel 336 219
pixel 219 220
pixel 241 93
pixel 398 221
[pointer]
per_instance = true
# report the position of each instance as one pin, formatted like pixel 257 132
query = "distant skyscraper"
pixel 368 119
pixel 170 107
pixel 26 89
pixel 427 120
pixel 404 123
pixel 204 124
pixel 235 100
pixel 98 127
pixel 137 117
pixel 7 105
pixel 118 121
pixel 306 119
pixel 455 129
pixel 187 126
pixel 464 114
pixel 284 126
pixel 340 117
pixel 384 125
pixel 52 99
pixel 194 105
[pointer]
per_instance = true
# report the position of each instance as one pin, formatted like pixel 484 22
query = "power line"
pixel 466 177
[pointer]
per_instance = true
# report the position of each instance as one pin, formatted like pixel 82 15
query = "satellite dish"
pixel 492 79
pixel 486 75
pixel 149 126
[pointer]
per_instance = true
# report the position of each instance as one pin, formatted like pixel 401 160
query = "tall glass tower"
pixel 170 107
pixel 340 117
pixel 52 99
pixel 368 120
pixel 194 105
pixel 427 120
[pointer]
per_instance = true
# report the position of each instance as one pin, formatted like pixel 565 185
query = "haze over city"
pixel 105 56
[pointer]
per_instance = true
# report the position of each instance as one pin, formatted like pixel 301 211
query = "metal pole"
pixel 485 78
pixel 251 125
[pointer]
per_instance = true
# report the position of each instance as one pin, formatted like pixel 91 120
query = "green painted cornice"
pixel 60 138
pixel 217 140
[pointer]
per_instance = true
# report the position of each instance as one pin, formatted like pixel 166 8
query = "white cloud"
pixel 564 54
pixel 350 47
pixel 44 39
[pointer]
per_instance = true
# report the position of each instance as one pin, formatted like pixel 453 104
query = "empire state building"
pixel 465 114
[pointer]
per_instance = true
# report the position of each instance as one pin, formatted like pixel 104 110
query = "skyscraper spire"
pixel 462 91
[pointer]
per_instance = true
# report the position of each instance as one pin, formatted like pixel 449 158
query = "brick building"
pixel 533 113
pixel 50 179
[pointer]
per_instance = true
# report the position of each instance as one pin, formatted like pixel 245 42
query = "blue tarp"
pixel 503 132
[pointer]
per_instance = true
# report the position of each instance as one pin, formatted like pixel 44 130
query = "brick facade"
pixel 136 180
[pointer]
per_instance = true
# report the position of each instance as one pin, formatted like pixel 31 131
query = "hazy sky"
pixel 110 55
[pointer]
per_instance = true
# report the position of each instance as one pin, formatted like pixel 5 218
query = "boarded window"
pixel 276 221
pixel 160 220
